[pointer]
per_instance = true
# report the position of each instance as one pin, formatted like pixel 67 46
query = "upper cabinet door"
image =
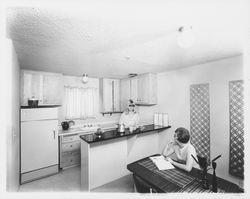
pixel 116 95
pixel 143 90
pixel 52 88
pixel 31 85
pixel 110 95
pixel 124 93
pixel 147 89
pixel 107 98
pixel 46 87
pixel 134 89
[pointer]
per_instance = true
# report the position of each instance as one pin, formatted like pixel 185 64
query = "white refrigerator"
pixel 39 143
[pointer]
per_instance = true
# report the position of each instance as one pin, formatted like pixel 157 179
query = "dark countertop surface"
pixel 114 134
pixel 40 106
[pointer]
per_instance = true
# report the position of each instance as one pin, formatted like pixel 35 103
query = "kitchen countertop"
pixel 40 106
pixel 113 134
pixel 71 131
pixel 78 130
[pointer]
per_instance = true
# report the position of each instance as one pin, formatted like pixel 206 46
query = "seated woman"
pixel 182 149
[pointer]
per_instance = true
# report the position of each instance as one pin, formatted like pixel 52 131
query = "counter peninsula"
pixel 104 157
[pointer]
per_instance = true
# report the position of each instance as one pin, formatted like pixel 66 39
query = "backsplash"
pixel 105 120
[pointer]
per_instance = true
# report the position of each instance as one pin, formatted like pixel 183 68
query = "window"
pixel 80 103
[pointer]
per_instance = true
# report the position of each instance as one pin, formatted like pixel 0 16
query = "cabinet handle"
pixel 54 132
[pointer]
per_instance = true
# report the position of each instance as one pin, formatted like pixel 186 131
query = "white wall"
pixel 12 117
pixel 173 98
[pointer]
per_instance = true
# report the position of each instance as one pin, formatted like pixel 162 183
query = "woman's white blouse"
pixel 129 119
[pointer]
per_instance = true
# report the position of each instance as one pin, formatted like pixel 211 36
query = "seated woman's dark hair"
pixel 183 135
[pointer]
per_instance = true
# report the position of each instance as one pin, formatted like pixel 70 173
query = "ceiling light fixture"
pixel 85 78
pixel 131 75
pixel 185 37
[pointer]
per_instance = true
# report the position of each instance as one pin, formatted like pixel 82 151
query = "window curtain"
pixel 80 103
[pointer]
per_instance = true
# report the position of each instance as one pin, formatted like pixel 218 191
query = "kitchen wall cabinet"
pixel 109 95
pixel 125 93
pixel 52 89
pixel 46 87
pixel 134 89
pixel 147 89
pixel 128 91
pixel 141 89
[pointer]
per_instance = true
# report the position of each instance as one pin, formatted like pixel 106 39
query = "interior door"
pixel 39 144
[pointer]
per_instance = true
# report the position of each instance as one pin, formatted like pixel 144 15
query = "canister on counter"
pixel 165 119
pixel 156 119
pixel 160 119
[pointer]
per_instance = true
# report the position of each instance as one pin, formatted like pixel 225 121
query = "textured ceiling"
pixel 112 40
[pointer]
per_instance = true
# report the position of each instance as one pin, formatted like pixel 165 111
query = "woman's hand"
pixel 169 149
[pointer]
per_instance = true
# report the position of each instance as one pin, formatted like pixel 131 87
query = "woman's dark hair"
pixel 183 135
pixel 131 103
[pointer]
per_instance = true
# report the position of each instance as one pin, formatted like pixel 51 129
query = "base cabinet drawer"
pixel 71 146
pixel 70 138
pixel 70 159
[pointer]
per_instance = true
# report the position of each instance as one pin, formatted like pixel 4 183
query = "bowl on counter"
pixel 99 132
pixel 71 123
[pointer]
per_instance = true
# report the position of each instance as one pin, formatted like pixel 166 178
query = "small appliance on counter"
pixel 65 125
pixel 71 123
pixel 33 102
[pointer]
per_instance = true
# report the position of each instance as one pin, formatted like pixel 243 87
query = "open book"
pixel 161 163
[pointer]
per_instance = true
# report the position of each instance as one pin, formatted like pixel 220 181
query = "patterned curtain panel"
pixel 236 111
pixel 200 119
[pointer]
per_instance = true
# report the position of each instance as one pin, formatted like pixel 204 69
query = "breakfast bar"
pixel 104 157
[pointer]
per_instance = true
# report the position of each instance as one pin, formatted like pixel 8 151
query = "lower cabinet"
pixel 69 159
pixel 70 154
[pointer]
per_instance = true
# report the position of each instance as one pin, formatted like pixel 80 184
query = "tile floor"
pixel 69 180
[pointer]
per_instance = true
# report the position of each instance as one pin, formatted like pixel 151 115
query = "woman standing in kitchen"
pixel 130 118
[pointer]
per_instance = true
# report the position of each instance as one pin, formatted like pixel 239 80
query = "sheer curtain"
pixel 80 103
